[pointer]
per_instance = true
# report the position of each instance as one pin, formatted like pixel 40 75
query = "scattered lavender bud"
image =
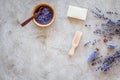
pixel 118 23
pixel 108 23
pixel 87 43
pixel 109 38
pixel 96 25
pixel 116 13
pixel 98 9
pixel 93 43
pixel 96 14
pixel 103 32
pixel 109 12
pixel 95 40
pixel 117 31
pixel 103 24
pixel 92 56
pixel 98 31
pixel 117 55
pixel 99 15
pixel 98 40
pixel 111 45
pixel 108 30
pixel 111 23
pixel 89 25
pixel 100 61
pixel 85 25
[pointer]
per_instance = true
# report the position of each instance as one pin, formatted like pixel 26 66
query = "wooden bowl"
pixel 51 22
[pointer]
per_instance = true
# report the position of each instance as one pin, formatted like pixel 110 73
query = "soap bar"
pixel 77 12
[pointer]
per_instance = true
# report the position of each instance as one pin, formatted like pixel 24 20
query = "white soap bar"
pixel 77 12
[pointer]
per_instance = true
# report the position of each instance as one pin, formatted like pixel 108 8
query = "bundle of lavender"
pixel 109 62
pixel 109 26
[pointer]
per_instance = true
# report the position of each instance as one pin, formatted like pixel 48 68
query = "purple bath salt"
pixel 92 56
pixel 111 45
pixel 45 16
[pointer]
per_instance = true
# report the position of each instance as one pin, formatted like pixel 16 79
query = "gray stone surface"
pixel 32 53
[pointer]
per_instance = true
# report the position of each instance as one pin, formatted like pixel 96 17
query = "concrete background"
pixel 32 53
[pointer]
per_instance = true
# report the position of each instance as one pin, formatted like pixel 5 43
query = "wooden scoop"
pixel 75 42
pixel 29 19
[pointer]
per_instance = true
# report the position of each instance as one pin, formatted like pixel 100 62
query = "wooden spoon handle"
pixel 71 52
pixel 27 21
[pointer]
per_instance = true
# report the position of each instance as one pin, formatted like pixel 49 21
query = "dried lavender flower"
pixel 111 27
pixel 108 31
pixel 108 23
pixel 109 38
pixel 98 13
pixel 111 23
pixel 87 43
pixel 98 9
pixel 116 13
pixel 109 12
pixel 117 23
pixel 109 62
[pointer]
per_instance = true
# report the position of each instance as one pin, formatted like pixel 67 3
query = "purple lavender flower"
pixel 109 62
pixel 118 23
pixel 45 17
pixel 109 12
pixel 98 13
pixel 98 10
pixel 108 23
pixel 117 55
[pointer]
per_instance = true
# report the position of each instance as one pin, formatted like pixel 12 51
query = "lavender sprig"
pixel 108 31
pixel 110 12
pixel 99 14
pixel 98 10
pixel 111 23
pixel 109 62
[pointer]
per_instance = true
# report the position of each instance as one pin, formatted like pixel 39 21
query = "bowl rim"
pixel 54 14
